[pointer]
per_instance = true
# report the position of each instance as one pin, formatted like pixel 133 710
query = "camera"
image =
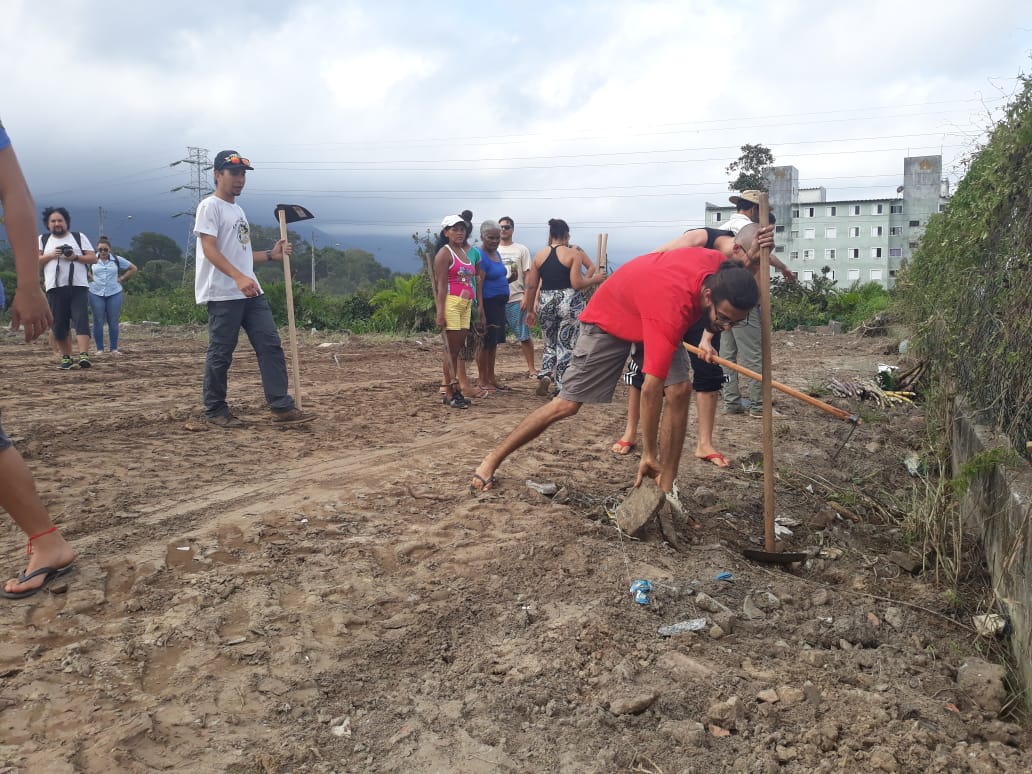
pixel 67 251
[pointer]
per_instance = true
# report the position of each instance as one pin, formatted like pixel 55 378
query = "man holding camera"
pixel 64 256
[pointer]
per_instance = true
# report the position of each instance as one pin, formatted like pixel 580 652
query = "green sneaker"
pixel 84 360
pixel 66 363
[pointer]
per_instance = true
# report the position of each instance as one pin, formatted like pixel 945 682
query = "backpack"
pixel 77 236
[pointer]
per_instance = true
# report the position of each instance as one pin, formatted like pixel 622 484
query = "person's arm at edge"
pixel 441 261
pixel 29 306
pixel 697 237
pixel 128 272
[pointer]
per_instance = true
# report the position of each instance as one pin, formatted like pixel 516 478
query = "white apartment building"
pixel 857 239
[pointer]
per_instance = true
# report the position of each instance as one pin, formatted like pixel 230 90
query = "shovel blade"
pixel 773 557
pixel 294 212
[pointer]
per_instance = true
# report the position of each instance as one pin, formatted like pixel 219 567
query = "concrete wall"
pixel 999 504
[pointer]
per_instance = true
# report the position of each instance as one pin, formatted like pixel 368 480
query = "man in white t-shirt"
pixel 517 259
pixel 64 256
pixel 225 281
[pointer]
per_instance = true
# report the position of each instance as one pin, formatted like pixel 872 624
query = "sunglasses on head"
pixel 232 161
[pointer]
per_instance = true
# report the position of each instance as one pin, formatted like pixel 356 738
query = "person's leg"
pixel 98 308
pixel 453 370
pixel 224 320
pixel 18 496
pixel 677 399
pixel 530 428
pixel 80 306
pixel 527 345
pixel 707 381
pixel 114 313
pixel 61 309
pixel 729 351
pixel 260 327
pixel 548 319
pixel 626 442
pixel 569 328
pixel 750 354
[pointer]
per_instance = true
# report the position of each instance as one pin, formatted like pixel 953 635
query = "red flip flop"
pixel 714 457
pixel 626 447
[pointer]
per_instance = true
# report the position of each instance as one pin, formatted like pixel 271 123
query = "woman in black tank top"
pixel 557 275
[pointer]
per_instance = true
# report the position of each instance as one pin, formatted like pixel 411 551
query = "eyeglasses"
pixel 232 161
pixel 726 322
pixel 103 250
pixel 506 228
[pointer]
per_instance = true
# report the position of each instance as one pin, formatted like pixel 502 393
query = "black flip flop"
pixel 49 573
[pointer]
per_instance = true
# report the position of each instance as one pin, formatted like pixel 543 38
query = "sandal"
pixel 485 484
pixel 623 448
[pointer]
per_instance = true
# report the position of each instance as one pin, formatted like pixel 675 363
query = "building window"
pixel 794 235
pixel 876 275
pixel 779 248
pixel 795 213
pixel 831 233
pixel 854 253
pixel 942 208
pixel 807 276
pixel 876 209
pixel 779 229
pixel 808 255
pixel 876 252
pixel 895 252
pixel 896 209
pixel 810 233
pixel 794 255
pixel 853 209
pixel 896 231
pixel 876 231
pixel 809 212
pixel 716 217
pixel 892 272
pixel 831 275
pixel 854 231
pixel 915 223
pixel 831 211
pixel 829 253
pixel 854 274
pixel 912 245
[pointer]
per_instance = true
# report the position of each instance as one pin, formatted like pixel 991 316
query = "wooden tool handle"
pixel 288 284
pixel 834 411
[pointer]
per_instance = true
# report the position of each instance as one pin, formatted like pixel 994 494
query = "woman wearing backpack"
pixel 106 294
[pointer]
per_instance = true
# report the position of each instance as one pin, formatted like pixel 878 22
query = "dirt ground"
pixel 329 598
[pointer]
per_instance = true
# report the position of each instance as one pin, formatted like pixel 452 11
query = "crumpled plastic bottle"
pixel 642 591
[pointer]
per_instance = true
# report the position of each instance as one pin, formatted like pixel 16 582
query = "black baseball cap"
pixel 230 159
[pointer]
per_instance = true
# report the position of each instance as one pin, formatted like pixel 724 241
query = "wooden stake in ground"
pixel 766 394
pixel 291 213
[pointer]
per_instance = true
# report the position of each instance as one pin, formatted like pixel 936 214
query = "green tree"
pixel 408 304
pixel 150 246
pixel 750 166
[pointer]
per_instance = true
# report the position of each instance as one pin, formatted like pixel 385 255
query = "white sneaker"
pixel 114 352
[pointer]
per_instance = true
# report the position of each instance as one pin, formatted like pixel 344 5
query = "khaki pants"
pixel 741 345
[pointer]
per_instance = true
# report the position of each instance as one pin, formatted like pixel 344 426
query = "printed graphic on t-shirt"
pixel 243 232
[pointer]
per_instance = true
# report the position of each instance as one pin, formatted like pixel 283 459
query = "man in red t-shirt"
pixel 650 301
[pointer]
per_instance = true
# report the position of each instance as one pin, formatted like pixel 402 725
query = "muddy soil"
pixel 329 598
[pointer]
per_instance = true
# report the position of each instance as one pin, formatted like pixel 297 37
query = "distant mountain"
pixel 395 251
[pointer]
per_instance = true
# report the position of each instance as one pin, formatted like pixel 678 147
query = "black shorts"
pixel 69 306
pixel 494 318
pixel 706 377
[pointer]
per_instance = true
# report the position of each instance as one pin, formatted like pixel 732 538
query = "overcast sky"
pixel 383 117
